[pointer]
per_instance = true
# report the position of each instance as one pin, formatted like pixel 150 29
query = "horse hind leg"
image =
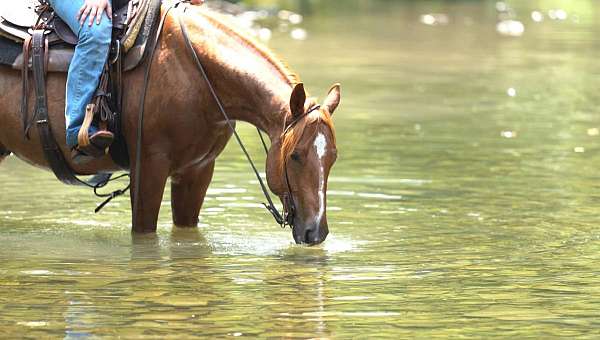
pixel 188 190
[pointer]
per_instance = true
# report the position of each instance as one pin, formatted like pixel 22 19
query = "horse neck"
pixel 257 103
pixel 250 87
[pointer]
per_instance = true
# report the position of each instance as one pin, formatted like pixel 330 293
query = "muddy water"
pixel 464 202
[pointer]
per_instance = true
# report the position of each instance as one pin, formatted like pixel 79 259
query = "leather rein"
pixel 289 211
pixel 289 204
pixel 283 219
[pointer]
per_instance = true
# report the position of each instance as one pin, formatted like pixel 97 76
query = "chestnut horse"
pixel 184 130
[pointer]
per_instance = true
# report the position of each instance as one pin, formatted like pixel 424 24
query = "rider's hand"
pixel 197 2
pixel 94 9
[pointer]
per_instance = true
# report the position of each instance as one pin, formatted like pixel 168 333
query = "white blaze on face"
pixel 321 147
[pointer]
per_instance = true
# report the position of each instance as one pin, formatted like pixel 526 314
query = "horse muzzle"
pixel 310 234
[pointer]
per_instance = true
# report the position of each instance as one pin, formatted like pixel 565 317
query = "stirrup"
pixel 97 147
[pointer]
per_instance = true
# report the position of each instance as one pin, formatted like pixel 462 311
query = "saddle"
pixel 18 19
pixel 33 38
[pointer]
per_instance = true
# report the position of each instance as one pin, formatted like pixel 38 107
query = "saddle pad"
pixel 138 52
pixel 9 51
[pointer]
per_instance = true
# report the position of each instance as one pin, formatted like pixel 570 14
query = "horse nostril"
pixel 312 235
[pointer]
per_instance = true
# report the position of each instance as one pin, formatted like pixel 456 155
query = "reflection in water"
pixel 188 243
pixel 145 246
pixel 463 203
pixel 302 293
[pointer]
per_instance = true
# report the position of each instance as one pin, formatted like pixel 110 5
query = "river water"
pixel 464 201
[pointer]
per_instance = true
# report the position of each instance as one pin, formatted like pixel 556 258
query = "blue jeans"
pixel 86 67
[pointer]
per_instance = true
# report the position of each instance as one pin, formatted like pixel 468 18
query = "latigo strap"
pixel 52 151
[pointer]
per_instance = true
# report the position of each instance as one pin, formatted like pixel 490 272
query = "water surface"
pixel 458 207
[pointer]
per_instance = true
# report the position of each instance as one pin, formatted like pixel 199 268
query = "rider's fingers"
pixel 80 12
pixel 99 13
pixel 85 14
pixel 93 14
pixel 109 12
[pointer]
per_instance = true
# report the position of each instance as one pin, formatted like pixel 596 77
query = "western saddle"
pixel 47 45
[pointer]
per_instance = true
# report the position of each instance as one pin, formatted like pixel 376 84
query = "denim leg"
pixel 86 67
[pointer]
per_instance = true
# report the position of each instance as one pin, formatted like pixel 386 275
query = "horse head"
pixel 299 162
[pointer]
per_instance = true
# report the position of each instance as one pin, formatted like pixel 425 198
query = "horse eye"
pixel 295 156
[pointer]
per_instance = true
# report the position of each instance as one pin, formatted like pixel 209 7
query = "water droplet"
pixel 501 6
pixel 37 272
pixel 511 92
pixel 512 28
pixel 537 16
pixel 284 15
pixel 428 19
pixel 593 132
pixel 557 14
pixel 295 19
pixel 508 134
pixel 33 323
pixel 264 34
pixel 433 19
pixel 299 34
pixel 579 149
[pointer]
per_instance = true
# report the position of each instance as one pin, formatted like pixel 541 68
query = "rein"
pixel 289 204
pixel 288 209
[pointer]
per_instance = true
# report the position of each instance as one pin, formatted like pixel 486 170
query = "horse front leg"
pixel 188 190
pixel 154 174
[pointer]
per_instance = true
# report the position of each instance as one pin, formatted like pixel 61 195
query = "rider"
pixel 86 19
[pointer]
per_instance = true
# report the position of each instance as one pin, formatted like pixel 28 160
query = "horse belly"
pixel 210 144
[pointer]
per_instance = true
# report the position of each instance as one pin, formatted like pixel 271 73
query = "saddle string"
pixel 270 206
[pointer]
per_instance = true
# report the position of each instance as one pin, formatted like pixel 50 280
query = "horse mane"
pixel 232 29
pixel 290 140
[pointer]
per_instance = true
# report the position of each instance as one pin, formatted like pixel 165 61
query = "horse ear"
pixel 297 100
pixel 333 99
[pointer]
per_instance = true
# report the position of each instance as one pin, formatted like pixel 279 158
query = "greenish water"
pixel 455 209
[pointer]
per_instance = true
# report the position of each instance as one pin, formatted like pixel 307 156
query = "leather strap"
pixel 118 150
pixel 52 151
pixel 25 88
pixel 53 155
pixel 287 217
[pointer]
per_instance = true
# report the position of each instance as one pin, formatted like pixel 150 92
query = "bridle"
pixel 289 208
pixel 289 204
